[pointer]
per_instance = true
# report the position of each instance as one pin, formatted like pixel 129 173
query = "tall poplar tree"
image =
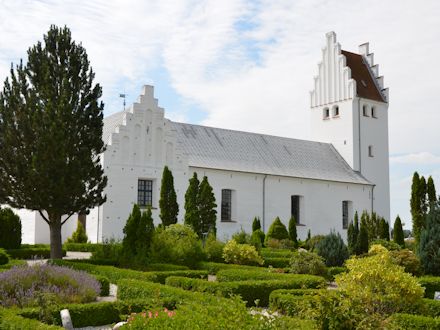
pixel 207 208
pixel 416 210
pixel 51 122
pixel 432 195
pixel 192 216
pixel 168 199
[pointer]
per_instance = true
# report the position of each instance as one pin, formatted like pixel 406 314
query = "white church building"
pixel 322 182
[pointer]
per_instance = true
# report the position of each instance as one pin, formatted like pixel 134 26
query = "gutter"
pixel 359 133
pixel 264 202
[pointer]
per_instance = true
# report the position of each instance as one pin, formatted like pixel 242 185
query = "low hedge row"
pixel 291 302
pixel 105 285
pixel 30 253
pixel 272 253
pixel 13 263
pixel 215 267
pixel 102 262
pixel 277 262
pixel 413 322
pixel 431 285
pixel 81 247
pixel 96 314
pixel 115 274
pixel 229 275
pixel 11 321
pixel 253 292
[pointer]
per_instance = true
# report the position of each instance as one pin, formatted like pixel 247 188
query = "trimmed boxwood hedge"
pixel 115 274
pixel 30 253
pixel 271 253
pixel 276 262
pixel 414 322
pixel 229 275
pixel 215 267
pixel 81 247
pixel 12 263
pixel 11 321
pixel 431 285
pixel 105 285
pixel 290 302
pixel 250 291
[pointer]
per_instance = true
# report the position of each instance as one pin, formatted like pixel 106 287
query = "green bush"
pixel 389 245
pixel 413 322
pixel 431 285
pixel 4 257
pixel 333 249
pixel 429 251
pixel 292 231
pixel 108 250
pixel 214 248
pixel 277 230
pixel 257 239
pixel 105 285
pixel 79 235
pixel 313 241
pixel 291 302
pixel 253 292
pixel 427 307
pixel 256 224
pixel 232 275
pixel 277 262
pixel 81 247
pixel 31 253
pixel 12 263
pixel 333 271
pixel 408 260
pixel 241 254
pixel 9 320
pixel 305 262
pixel 276 244
pixel 242 237
pixel 10 229
pixel 176 244
pixel 164 267
pixel 215 267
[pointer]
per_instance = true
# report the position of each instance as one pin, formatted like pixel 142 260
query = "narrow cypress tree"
pixel 398 236
pixel 168 199
pixel 192 216
pixel 432 197
pixel 423 190
pixel 292 231
pixel 129 242
pixel 351 242
pixel 384 229
pixel 416 212
pixel 256 224
pixel 356 233
pixel 362 244
pixel 207 208
pixel 144 233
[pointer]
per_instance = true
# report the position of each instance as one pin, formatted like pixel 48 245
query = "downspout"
pixel 264 202
pixel 97 228
pixel 359 133
pixel 372 198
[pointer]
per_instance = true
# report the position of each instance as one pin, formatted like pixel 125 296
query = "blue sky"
pixel 249 65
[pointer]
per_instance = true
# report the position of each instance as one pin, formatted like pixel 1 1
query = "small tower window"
pixel 365 110
pixel 335 111
pixel 373 112
pixel 326 113
pixel 370 151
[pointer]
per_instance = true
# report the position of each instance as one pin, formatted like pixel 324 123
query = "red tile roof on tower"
pixel 365 85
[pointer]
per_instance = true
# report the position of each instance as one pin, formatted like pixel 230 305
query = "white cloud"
pixel 421 158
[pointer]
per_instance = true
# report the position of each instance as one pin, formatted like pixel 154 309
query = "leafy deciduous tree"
pixel 51 123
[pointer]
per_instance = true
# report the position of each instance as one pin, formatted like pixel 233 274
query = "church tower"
pixel 349 108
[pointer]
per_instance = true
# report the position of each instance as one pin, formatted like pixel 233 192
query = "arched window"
pixel 335 111
pixel 326 113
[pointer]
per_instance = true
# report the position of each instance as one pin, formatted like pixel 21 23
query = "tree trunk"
pixel 82 217
pixel 55 237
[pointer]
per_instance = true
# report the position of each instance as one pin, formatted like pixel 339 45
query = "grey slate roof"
pixel 217 148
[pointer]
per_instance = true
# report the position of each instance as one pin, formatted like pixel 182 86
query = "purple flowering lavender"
pixel 23 286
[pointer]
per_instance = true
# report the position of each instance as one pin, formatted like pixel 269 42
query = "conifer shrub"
pixel 241 254
pixel 168 199
pixel 4 257
pixel 313 241
pixel 79 235
pixel 305 262
pixel 257 239
pixel 277 230
pixel 10 229
pixel 429 251
pixel 256 224
pixel 362 241
pixel 292 231
pixel 176 244
pixel 398 236
pixel 333 249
